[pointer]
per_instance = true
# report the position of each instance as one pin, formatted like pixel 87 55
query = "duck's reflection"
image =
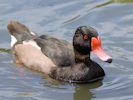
pixel 82 92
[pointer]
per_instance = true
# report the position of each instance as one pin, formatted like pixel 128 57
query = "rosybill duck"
pixel 59 59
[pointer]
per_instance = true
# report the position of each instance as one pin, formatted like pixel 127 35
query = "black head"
pixel 82 39
pixel 86 39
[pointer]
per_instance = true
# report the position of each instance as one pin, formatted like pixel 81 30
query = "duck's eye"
pixel 85 37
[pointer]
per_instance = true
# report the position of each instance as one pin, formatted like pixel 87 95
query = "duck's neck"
pixel 79 57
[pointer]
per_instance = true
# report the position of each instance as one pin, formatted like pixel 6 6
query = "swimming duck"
pixel 58 58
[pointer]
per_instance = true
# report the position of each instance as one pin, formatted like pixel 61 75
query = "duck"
pixel 58 58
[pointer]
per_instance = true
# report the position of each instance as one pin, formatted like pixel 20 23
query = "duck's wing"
pixel 60 51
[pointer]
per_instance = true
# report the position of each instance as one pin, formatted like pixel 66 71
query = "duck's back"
pixel 59 51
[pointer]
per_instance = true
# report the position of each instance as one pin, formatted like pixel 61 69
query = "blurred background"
pixel 113 19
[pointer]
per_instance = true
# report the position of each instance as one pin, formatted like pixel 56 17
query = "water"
pixel 112 18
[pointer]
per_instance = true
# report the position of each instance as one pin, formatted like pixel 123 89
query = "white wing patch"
pixel 32 33
pixel 31 42
pixel 13 40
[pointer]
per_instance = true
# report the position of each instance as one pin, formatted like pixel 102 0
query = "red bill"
pixel 98 50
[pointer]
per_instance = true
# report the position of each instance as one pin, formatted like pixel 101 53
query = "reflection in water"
pixel 122 1
pixel 5 50
pixel 83 91
pixel 80 91
pixel 114 1
pixel 79 15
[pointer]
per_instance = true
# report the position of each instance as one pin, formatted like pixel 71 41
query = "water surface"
pixel 112 18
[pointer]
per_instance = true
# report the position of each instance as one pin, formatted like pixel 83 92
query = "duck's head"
pixel 86 39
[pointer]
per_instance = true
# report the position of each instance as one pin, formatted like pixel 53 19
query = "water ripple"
pixel 118 87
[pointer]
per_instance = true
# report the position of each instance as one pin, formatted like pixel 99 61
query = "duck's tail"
pixel 19 32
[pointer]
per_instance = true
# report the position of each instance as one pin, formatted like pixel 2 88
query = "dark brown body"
pixel 63 61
